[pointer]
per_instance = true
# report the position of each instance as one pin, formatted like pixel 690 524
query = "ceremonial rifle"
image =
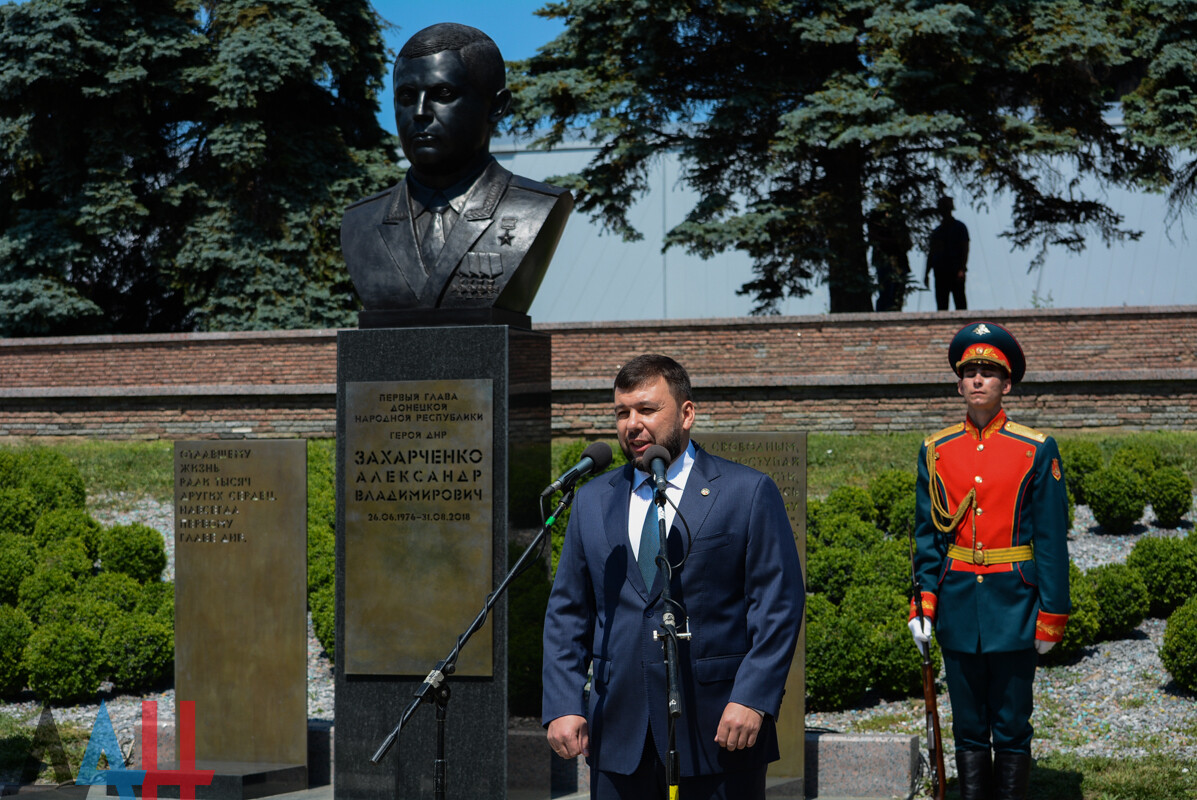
pixel 934 739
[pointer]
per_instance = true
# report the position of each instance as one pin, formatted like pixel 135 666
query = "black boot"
pixel 1012 774
pixel 975 774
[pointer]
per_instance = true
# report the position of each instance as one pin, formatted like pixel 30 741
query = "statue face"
pixel 444 121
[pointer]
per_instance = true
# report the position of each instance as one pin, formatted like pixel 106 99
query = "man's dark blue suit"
pixel 741 585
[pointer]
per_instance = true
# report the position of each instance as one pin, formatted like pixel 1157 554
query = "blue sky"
pixel 510 23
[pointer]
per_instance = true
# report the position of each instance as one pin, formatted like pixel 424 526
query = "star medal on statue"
pixel 508 225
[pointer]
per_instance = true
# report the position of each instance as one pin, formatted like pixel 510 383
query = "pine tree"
pixel 183 165
pixel 798 120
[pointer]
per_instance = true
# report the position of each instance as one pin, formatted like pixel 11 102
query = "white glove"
pixel 1042 647
pixel 921 631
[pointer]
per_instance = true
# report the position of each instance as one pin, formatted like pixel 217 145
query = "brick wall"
pixel 1132 368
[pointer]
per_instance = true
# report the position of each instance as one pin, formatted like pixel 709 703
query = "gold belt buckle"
pixel 978 557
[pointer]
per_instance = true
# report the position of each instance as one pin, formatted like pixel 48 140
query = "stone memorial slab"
pixel 781 456
pixel 241 606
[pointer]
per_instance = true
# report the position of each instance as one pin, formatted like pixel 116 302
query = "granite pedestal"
pixel 413 405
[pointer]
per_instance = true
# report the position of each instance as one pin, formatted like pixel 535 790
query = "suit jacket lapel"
pixel 399 237
pixel 696 506
pixel 473 221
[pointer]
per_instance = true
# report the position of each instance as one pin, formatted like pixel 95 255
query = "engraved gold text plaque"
pixel 419 468
pixel 241 597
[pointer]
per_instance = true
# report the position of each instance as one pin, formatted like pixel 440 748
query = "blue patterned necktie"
pixel 650 545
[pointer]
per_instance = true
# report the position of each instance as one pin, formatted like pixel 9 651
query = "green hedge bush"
pixel 322 528
pixel 901 518
pixel 1080 457
pixel 1116 498
pixel 1179 651
pixel 851 500
pixel 68 523
pixel 1122 599
pixel 63 661
pixel 90 612
pixel 122 590
pixel 322 604
pixel 1168 567
pixel 18 557
pixel 166 606
pixel 844 529
pixel 837 655
pixel 15 630
pixel 1083 622
pixel 894 663
pixel 51 479
pixel 138 651
pixel 891 490
pixel 55 481
pixel 18 511
pixel 831 571
pixel 888 567
pixel 322 514
pixel 1141 458
pixel 42 586
pixel 68 555
pixel 1170 492
pixel 154 596
pixel 135 549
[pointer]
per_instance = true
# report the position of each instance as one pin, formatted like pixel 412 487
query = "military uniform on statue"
pixel 459 234
pixel 991 534
pixel 468 240
pixel 736 574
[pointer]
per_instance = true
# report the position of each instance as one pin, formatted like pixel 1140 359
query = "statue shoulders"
pixel 529 185
pixel 374 198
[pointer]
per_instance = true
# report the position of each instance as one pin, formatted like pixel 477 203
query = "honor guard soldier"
pixel 991 537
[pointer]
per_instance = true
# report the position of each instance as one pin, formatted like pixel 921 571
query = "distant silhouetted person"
pixel 947 257
pixel 890 240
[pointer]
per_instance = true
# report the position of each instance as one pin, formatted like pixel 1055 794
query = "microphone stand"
pixel 668 635
pixel 434 690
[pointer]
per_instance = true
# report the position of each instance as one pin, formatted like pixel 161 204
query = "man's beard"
pixel 673 442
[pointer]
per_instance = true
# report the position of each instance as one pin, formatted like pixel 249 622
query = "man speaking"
pixel 735 573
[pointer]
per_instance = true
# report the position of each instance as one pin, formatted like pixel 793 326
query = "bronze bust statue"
pixel 460 231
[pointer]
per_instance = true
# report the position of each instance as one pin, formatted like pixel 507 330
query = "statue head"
pixel 450 92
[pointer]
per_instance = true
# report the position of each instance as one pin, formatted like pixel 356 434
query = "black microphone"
pixel 595 458
pixel 657 458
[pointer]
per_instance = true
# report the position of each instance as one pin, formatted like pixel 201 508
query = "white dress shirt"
pixel 642 495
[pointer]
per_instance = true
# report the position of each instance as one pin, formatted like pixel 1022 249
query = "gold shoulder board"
pixel 1023 430
pixel 946 432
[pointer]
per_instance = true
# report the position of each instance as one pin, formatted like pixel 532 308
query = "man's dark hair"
pixel 650 366
pixel 478 51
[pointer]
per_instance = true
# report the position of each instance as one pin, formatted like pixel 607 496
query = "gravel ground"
pixel 1117 699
